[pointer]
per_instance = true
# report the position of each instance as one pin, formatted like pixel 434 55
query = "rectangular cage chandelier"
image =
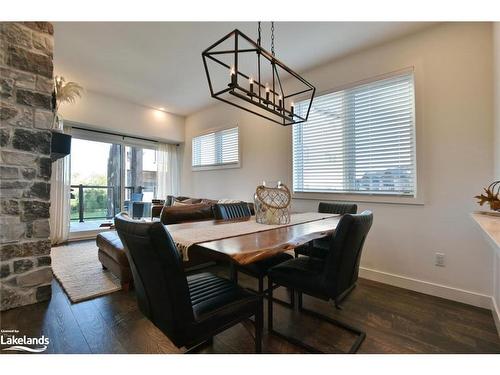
pixel 242 73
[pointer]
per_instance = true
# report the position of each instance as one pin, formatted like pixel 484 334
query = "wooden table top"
pixel 249 248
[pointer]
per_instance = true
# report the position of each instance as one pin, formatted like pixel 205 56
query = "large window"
pixel 216 149
pixel 358 140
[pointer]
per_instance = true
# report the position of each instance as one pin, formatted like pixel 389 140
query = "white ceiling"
pixel 158 64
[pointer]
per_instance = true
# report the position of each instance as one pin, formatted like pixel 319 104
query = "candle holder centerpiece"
pixel 272 202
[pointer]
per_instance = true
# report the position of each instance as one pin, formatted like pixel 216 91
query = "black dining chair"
pixel 258 270
pixel 331 278
pixel 188 310
pixel 227 211
pixel 319 248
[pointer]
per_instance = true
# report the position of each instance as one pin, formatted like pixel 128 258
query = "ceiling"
pixel 158 64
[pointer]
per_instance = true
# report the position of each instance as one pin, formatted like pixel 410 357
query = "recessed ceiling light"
pixel 161 109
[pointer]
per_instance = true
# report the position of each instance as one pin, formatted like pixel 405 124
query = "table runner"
pixel 185 238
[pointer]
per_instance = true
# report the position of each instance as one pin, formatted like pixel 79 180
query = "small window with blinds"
pixel 359 140
pixel 218 149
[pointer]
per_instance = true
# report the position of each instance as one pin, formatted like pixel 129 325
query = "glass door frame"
pixel 89 134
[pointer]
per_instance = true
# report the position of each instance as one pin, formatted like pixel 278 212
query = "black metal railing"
pixel 103 206
pixel 95 204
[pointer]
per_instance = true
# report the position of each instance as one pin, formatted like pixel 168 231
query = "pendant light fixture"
pixel 242 73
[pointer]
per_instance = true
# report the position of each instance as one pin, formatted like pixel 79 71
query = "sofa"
pixel 173 210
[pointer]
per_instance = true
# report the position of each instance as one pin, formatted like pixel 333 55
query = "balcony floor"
pixel 87 225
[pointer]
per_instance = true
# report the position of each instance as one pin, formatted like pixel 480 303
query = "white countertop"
pixel 490 225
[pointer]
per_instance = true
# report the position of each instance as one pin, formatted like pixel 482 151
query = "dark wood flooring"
pixel 395 320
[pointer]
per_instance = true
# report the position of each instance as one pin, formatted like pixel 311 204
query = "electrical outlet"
pixel 440 259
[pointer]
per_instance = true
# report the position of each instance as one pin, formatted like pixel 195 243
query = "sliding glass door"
pixel 110 174
pixel 95 183
pixel 140 180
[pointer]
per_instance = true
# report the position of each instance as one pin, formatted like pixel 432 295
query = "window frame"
pixel 217 166
pixel 418 197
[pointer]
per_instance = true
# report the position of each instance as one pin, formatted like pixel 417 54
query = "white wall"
pixel 496 80
pixel 103 112
pixel 453 73
pixel 496 74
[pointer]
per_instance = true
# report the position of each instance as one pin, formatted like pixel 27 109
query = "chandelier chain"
pixel 272 38
pixel 259 29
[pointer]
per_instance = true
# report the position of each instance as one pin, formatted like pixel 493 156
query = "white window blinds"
pixel 358 140
pixel 216 149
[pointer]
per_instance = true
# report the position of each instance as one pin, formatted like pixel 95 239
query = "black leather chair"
pixel 331 278
pixel 189 310
pixel 319 248
pixel 228 211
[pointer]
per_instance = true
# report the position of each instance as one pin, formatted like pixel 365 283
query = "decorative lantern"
pixel 272 201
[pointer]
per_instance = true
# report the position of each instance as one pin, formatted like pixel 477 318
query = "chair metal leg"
pixel 233 273
pixel 196 348
pixel 269 304
pixel 361 335
pixel 276 333
pixel 264 293
pixel 259 323
pixel 261 286
pixel 296 342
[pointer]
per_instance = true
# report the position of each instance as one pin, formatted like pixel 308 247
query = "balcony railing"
pixel 101 201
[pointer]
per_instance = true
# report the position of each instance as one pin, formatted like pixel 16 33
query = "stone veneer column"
pixel 26 83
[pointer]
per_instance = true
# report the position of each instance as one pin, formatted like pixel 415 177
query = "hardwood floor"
pixel 395 320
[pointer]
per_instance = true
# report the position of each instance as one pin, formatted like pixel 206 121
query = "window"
pixel 216 149
pixel 358 140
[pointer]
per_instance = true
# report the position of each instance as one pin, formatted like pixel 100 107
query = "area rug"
pixel 80 273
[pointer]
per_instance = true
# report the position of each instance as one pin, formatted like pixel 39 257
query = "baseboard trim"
pixel 438 290
pixel 496 314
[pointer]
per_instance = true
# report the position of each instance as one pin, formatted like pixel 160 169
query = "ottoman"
pixel 113 258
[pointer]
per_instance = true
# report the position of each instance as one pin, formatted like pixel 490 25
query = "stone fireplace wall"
pixel 26 83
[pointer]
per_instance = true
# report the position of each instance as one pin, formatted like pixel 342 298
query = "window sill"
pixel 365 198
pixel 216 167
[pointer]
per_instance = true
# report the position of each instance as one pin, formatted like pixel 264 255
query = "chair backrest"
pixel 342 263
pixel 228 211
pixel 138 209
pixel 160 283
pixel 340 208
pixel 136 197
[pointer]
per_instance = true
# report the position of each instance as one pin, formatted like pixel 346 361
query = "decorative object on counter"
pixel 254 83
pixel 272 201
pixel 64 92
pixel 492 196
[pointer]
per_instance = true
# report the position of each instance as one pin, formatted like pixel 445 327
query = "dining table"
pixel 267 241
